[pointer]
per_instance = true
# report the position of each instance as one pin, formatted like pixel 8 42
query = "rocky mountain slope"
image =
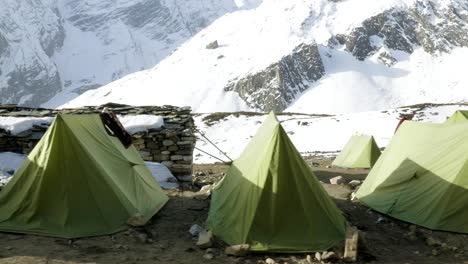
pixel 311 56
pixel 302 56
pixel 66 46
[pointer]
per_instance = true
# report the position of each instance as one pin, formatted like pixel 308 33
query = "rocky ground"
pixel 167 239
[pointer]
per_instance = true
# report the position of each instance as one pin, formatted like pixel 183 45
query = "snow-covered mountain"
pixel 67 47
pixel 298 55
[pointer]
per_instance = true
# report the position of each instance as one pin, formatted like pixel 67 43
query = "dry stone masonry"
pixel 171 145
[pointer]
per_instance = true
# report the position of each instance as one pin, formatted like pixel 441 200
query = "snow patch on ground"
pixel 162 175
pixel 9 162
pixel 310 134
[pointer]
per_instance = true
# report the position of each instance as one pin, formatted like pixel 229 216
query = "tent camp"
pixel 79 181
pixel 422 177
pixel 271 199
pixel 361 151
pixel 458 116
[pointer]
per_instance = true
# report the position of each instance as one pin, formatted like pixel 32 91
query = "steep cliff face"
pixel 58 49
pixel 275 87
pixel 437 29
pixel 230 55
pixel 30 33
pixel 311 56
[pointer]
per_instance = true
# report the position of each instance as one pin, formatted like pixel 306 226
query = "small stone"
pixel 270 261
pixel 309 259
pixel 430 241
pixel 330 255
pixel 208 256
pixel 354 183
pixel 210 251
pixel 411 237
pixel 435 252
pixel 118 246
pixel 176 157
pixel 237 250
pixel 186 178
pixel 195 230
pixel 205 239
pixel 141 237
pixel 318 256
pixel 337 180
pixel 168 142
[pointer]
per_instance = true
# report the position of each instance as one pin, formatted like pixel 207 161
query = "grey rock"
pixel 275 87
pixel 237 250
pixel 205 239
pixel 354 183
pixel 212 45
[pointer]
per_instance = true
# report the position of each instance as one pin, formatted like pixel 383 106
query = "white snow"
pixel 353 86
pixel 251 40
pixel 16 125
pixel 162 175
pixel 132 123
pixel 138 123
pixel 102 44
pixel 310 134
pixel 9 161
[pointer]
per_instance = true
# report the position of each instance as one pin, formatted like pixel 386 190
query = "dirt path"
pixel 167 240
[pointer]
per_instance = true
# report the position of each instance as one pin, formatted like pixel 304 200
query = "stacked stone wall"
pixel 171 145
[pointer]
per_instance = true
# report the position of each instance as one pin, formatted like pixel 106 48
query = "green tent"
pixel 361 151
pixel 458 116
pixel 271 199
pixel 79 181
pixel 422 177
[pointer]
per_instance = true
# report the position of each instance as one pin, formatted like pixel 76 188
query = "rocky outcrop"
pixel 435 29
pixel 275 87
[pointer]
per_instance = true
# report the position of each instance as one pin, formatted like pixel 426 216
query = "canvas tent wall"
pixel 458 116
pixel 422 177
pixel 271 199
pixel 361 151
pixel 79 181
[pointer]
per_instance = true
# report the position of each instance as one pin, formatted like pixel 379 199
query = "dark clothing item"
pixel 115 128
